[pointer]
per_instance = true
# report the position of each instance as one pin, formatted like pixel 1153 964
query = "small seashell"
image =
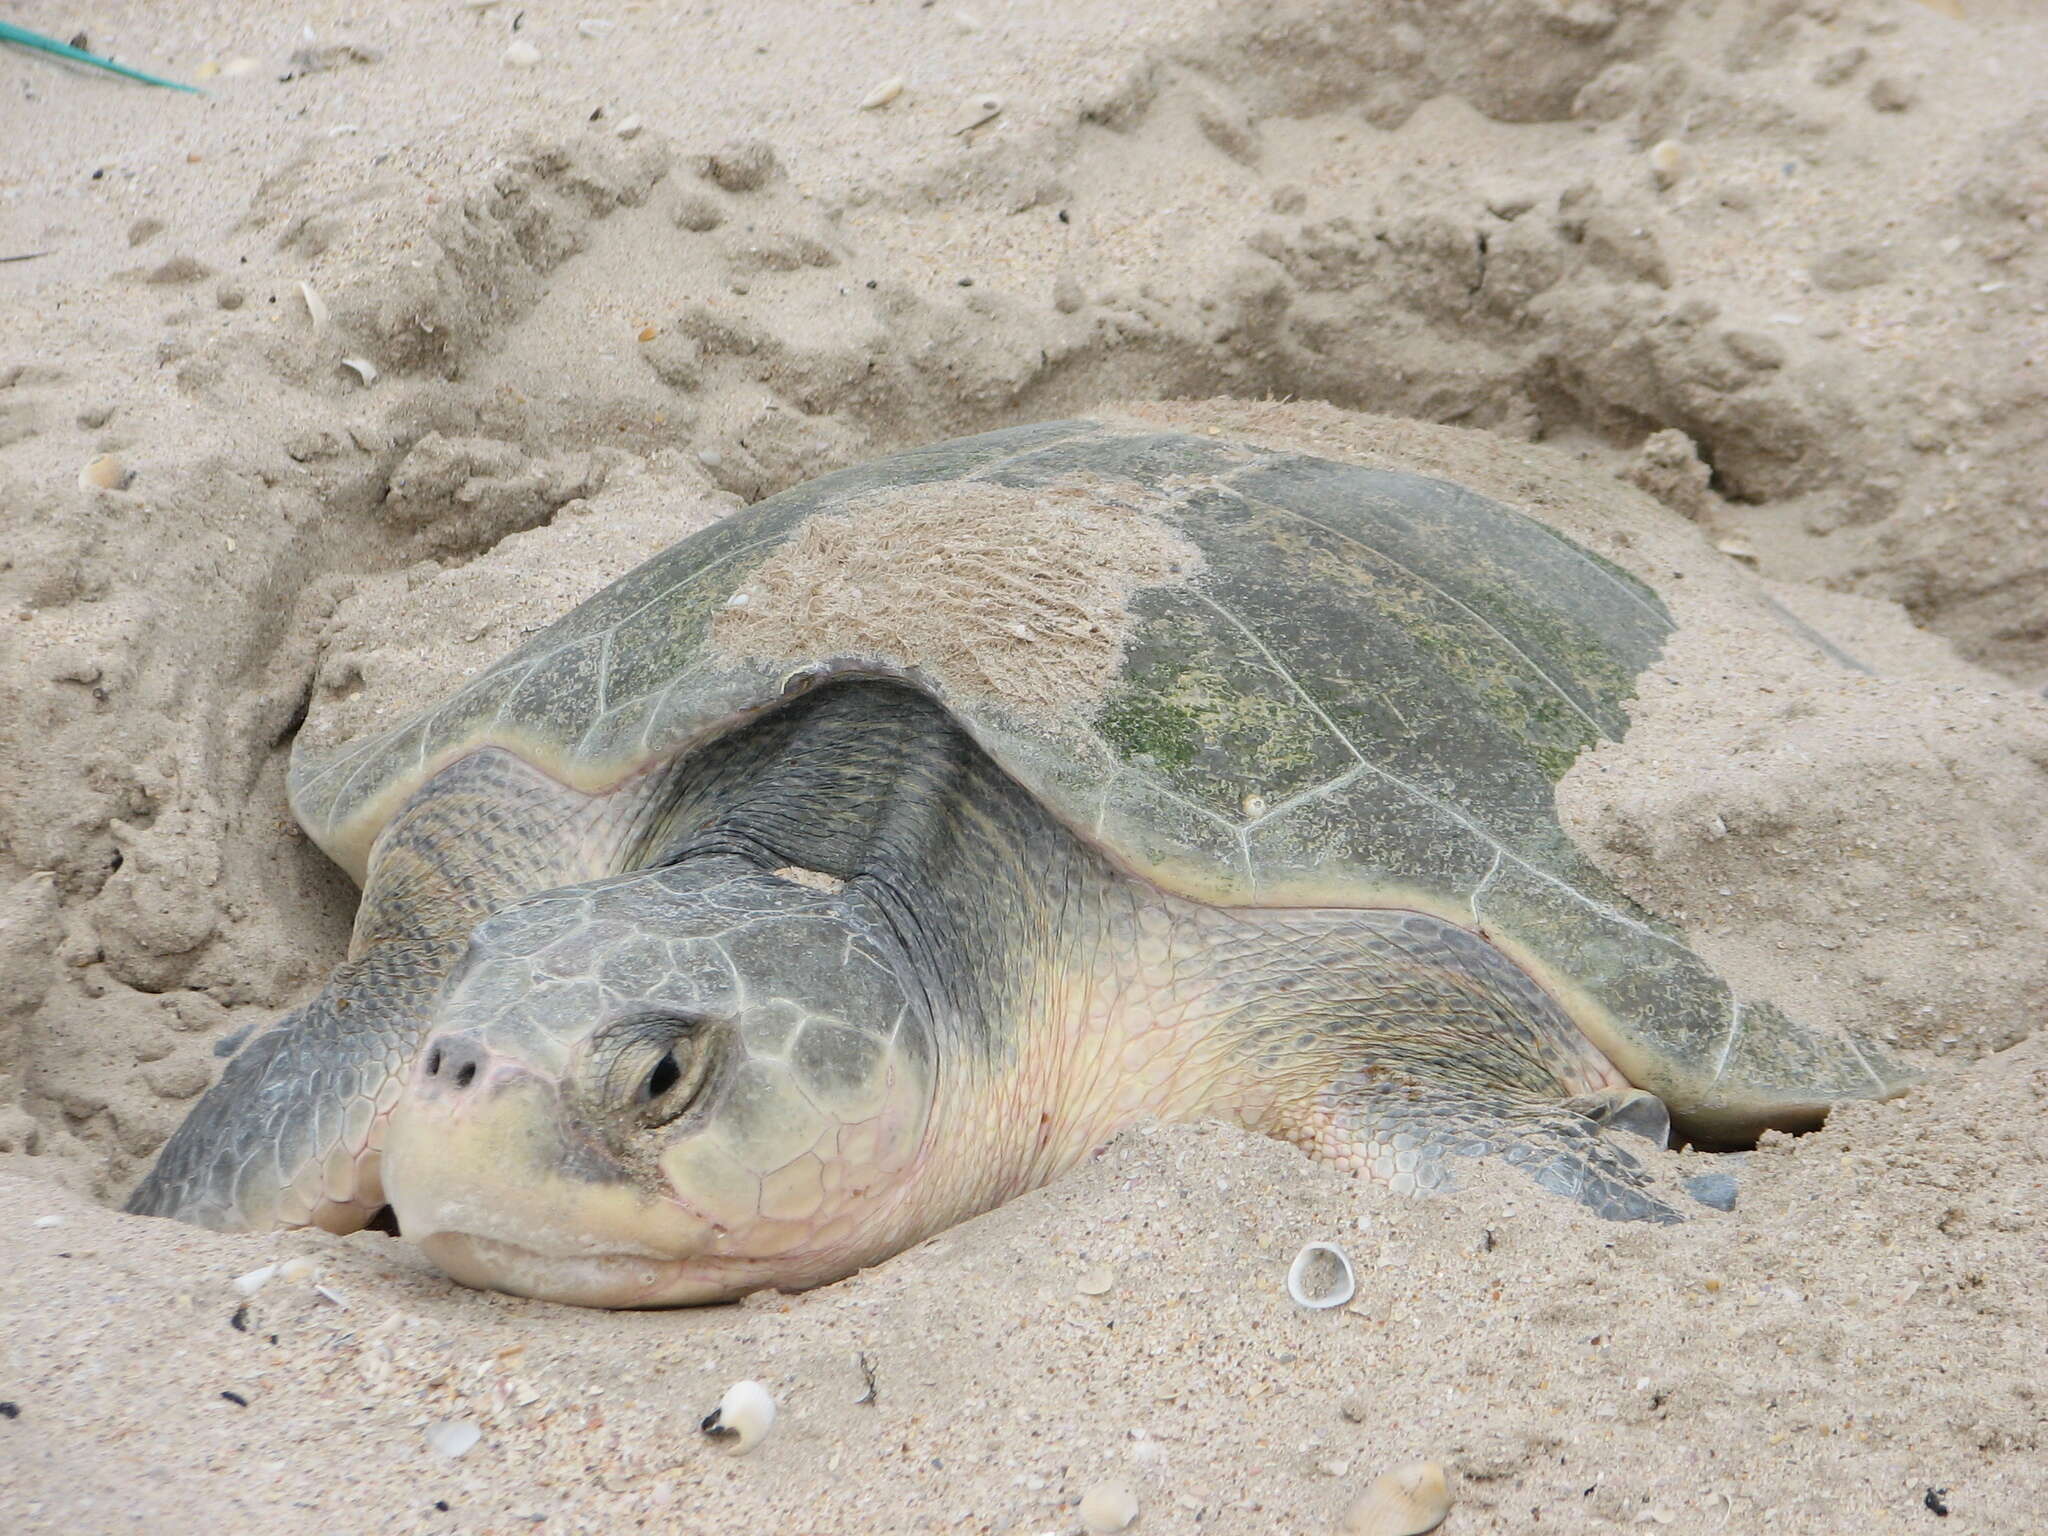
pixel 1321 1276
pixel 316 307
pixel 738 600
pixel 1667 162
pixel 595 26
pixel 521 55
pixel 629 127
pixel 105 473
pixel 297 1269
pixel 979 109
pixel 47 1221
pixel 1095 1280
pixel 364 369
pixel 1737 549
pixel 1404 1502
pixel 648 333
pixel 255 1280
pixel 244 65
pixel 1108 1507
pixel 453 1437
pixel 746 1412
pixel 1253 805
pixel 882 94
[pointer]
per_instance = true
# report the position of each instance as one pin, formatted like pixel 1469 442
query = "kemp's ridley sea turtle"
pixel 871 856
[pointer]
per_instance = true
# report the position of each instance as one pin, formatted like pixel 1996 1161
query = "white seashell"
pixel 979 109
pixel 1321 1276
pixel 522 55
pixel 738 600
pixel 1404 1502
pixel 746 1412
pixel 255 1280
pixel 453 1437
pixel 1253 805
pixel 1667 162
pixel 1096 1280
pixel 297 1269
pixel 242 65
pixel 364 369
pixel 48 1221
pixel 882 94
pixel 1108 1507
pixel 629 127
pixel 595 26
pixel 316 307
pixel 105 473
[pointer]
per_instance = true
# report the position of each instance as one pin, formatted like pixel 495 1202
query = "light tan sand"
pixel 1815 325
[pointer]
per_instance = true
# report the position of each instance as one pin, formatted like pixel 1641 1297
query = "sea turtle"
pixel 870 856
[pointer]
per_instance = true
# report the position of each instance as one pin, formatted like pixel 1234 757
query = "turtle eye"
pixel 666 1074
pixel 654 1068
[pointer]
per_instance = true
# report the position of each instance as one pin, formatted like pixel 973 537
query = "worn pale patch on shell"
pixel 1017 596
pixel 814 879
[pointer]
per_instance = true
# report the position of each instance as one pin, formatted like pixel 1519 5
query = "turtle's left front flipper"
pixel 289 1135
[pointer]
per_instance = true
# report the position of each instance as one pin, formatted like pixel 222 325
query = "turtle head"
pixel 663 1088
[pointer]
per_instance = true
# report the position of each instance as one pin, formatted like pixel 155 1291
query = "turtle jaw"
pixel 616 1280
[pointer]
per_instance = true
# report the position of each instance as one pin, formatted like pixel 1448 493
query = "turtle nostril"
pixel 453 1065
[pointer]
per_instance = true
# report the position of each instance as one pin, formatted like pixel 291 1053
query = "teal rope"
pixel 10 33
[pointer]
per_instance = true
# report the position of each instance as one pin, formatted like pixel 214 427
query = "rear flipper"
pixel 1407 1132
pixel 289 1135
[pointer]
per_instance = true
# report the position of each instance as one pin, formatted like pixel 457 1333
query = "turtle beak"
pixel 489 1174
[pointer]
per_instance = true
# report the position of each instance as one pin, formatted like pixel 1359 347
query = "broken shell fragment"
pixel 745 1412
pixel 1321 1276
pixel 1404 1502
pixel 978 110
pixel 316 307
pixel 452 1437
pixel 1108 1507
pixel 105 473
pixel 255 1280
pixel 1095 1280
pixel 301 1268
pixel 362 367
pixel 882 94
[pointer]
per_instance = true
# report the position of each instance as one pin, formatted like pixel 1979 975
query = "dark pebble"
pixel 236 1398
pixel 10 1410
pixel 1715 1189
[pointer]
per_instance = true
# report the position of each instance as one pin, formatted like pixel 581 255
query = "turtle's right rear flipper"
pixel 289 1135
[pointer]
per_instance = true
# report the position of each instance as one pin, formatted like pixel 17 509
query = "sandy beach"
pixel 323 389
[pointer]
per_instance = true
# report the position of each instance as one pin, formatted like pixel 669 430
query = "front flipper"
pixel 289 1135
pixel 1404 1131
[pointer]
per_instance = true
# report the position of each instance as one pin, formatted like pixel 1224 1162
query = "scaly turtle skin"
pixel 869 857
